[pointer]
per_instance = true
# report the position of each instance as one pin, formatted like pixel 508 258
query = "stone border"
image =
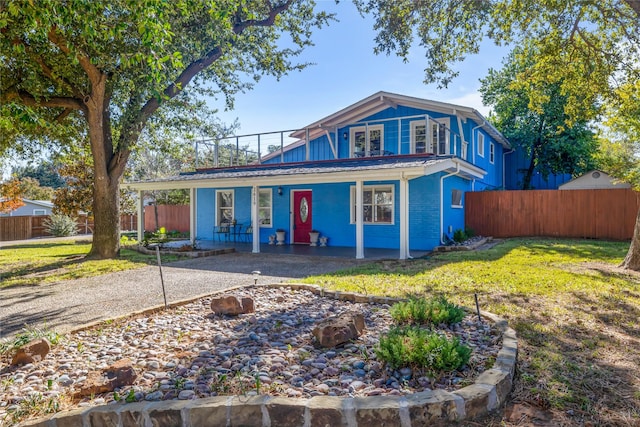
pixel 430 407
pixel 190 254
pixel 472 247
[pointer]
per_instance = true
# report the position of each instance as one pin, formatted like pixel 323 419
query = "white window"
pixel 377 204
pixel 480 144
pixel 456 198
pixel 492 152
pixel 224 209
pixel 367 141
pixel 463 150
pixel 265 207
pixel 39 212
pixel 437 143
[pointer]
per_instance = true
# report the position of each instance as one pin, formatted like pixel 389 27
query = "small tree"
pixel 10 196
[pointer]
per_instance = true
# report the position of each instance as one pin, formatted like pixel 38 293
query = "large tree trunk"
pixel 632 260
pixel 108 167
pixel 106 208
pixel 526 182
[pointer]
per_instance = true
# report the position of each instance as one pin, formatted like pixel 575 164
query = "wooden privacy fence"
pixel 596 214
pixel 171 217
pixel 28 227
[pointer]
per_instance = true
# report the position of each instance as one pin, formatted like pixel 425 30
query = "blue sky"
pixel 346 71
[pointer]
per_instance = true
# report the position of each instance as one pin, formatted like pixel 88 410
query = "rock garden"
pixel 258 340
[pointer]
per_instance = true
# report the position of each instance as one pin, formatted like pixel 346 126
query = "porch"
pixel 304 250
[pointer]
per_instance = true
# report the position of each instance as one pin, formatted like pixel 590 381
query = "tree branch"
pixel 53 102
pixel 191 71
pixel 92 71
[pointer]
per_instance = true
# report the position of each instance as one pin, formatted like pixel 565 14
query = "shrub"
pixel 459 236
pixel 424 311
pixel 60 225
pixel 417 347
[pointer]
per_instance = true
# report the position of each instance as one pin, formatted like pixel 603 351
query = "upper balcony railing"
pixel 395 136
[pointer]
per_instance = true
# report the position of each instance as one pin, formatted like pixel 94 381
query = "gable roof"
pixel 595 179
pixel 40 203
pixel 382 100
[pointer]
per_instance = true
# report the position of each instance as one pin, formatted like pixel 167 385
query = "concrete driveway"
pixel 67 305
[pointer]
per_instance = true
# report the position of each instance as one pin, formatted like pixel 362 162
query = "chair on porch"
pixel 221 230
pixel 247 234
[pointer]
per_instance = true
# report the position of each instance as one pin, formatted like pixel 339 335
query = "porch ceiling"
pixel 410 167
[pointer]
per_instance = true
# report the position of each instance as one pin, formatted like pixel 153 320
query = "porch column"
pixel 255 218
pixel 404 217
pixel 192 214
pixel 140 218
pixel 359 221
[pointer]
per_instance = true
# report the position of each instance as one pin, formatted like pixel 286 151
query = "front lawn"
pixel 575 312
pixel 40 262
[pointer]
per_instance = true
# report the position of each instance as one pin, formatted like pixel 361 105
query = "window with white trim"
pixel 265 206
pixel 224 207
pixel 456 198
pixel 39 212
pixel 436 143
pixel 492 152
pixel 480 144
pixel 367 141
pixel 377 204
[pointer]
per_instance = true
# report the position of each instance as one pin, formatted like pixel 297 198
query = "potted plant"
pixel 313 237
pixel 272 239
pixel 323 240
pixel 280 236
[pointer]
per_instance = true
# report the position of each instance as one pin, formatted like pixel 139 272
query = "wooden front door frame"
pixel 292 220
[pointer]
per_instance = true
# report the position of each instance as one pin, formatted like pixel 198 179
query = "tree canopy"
pixel 96 72
pixel 586 47
pixel 542 134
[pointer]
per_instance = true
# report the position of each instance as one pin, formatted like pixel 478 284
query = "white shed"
pixel 594 180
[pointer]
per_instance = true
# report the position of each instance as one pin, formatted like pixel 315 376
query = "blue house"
pixel 390 171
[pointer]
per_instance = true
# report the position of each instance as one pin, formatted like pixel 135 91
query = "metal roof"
pixel 342 170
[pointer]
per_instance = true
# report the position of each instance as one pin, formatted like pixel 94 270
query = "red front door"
pixel 301 216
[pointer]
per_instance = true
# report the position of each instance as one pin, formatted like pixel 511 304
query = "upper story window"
pixel 492 152
pixel 480 144
pixel 265 207
pixel 435 142
pixel 224 207
pixel 39 211
pixel 367 141
pixel 377 204
pixel 463 150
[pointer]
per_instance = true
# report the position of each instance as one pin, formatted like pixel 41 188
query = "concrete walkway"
pixel 66 305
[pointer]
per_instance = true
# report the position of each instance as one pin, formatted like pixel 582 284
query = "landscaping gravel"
pixel 189 352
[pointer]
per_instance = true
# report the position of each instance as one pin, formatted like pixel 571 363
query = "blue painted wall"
pixel 516 166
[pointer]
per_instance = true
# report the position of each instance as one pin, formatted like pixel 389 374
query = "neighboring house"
pixel 406 162
pixel 594 180
pixel 31 207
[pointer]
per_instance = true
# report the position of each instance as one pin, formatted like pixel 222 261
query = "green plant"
pixel 131 397
pixel 29 333
pixel 60 225
pixel 414 346
pixel 426 311
pixel 459 236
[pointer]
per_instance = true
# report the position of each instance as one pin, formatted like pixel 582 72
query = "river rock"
pixel 232 305
pixel 118 375
pixel 32 352
pixel 339 329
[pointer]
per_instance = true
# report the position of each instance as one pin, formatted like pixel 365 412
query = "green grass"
pixel 576 315
pixel 39 263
